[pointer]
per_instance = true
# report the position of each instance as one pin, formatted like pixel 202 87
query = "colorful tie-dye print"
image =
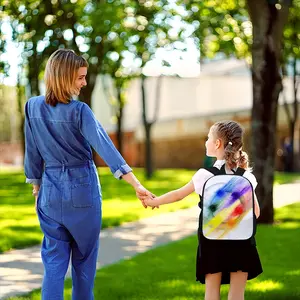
pixel 228 208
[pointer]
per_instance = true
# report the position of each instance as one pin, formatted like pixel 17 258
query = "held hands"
pixel 144 194
pixel 149 201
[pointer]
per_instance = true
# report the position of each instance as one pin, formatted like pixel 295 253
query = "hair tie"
pixel 230 143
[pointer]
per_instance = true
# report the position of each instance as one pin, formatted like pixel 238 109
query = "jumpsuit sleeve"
pixel 33 162
pixel 97 137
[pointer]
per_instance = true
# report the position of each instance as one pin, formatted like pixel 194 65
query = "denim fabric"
pixel 58 157
pixel 69 211
pixel 63 135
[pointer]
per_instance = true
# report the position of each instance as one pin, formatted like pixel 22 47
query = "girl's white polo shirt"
pixel 202 175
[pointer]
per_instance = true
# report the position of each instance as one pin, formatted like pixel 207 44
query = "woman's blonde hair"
pixel 60 74
pixel 231 134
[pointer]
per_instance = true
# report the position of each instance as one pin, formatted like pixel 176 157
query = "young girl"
pixel 59 134
pixel 221 262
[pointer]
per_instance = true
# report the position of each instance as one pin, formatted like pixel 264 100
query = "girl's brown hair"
pixel 60 74
pixel 231 134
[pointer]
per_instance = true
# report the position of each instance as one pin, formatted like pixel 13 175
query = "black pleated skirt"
pixel 227 256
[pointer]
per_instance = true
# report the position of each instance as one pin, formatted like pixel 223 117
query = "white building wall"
pixel 181 99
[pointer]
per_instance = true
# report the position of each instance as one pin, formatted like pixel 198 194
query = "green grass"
pixel 19 226
pixel 168 272
pixel 282 178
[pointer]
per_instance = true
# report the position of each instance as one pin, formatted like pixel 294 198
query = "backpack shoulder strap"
pixel 213 170
pixel 240 171
pixel 216 171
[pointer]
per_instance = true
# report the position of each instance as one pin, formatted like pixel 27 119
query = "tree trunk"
pixel 268 23
pixel 86 93
pixel 148 151
pixel 33 74
pixel 20 96
pixel 120 120
pixel 295 119
pixel 147 128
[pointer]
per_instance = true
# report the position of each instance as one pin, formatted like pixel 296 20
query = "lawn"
pixel 167 272
pixel 282 178
pixel 19 225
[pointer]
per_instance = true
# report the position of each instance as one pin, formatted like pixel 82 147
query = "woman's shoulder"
pixel 35 99
pixel 34 102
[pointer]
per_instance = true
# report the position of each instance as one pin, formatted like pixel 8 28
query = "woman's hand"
pixel 35 193
pixel 142 193
pixel 36 198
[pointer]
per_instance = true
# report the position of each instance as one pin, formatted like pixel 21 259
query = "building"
pixel 187 109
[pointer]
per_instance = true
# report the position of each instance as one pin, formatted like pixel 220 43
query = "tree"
pixel 225 27
pixel 268 20
pixel 4 67
pixel 152 22
pixel 93 29
pixel 117 97
pixel 291 57
pixel 102 27
pixel 44 26
pixel 40 27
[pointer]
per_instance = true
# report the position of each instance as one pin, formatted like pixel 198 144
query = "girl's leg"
pixel 238 282
pixel 212 286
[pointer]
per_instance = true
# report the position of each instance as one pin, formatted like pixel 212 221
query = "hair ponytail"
pixel 230 156
pixel 231 133
pixel 243 160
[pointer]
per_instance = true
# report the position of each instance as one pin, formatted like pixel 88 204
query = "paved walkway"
pixel 21 270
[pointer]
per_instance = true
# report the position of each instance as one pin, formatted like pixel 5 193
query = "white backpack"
pixel 227 206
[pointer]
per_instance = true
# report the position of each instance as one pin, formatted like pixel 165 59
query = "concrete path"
pixel 21 270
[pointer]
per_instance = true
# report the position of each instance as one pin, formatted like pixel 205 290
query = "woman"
pixel 59 134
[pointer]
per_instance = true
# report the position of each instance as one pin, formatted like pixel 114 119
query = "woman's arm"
pixel 141 192
pixel 98 138
pixel 33 162
pixel 132 180
pixel 172 196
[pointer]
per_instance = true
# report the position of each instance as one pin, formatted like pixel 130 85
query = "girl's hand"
pixel 151 202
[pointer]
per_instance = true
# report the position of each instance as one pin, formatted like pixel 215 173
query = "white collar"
pixel 219 163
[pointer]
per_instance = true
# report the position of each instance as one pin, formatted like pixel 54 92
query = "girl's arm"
pixel 256 207
pixel 172 196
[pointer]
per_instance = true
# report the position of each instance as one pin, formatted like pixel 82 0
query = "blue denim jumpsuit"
pixel 58 157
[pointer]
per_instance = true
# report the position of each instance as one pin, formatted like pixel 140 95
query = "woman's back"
pixel 56 131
